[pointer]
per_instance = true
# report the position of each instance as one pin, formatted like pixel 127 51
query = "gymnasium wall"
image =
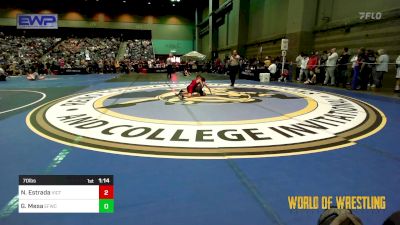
pixel 267 18
pixel 382 34
pixel 312 24
pixel 345 10
pixel 227 32
pixel 168 32
pixel 205 43
pixel 204 13
pixel 267 25
pixel 343 27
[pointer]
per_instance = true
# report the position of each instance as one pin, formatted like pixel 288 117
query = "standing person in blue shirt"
pixel 397 87
pixel 358 67
pixel 366 69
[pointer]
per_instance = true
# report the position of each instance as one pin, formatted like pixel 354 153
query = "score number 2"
pixel 106 192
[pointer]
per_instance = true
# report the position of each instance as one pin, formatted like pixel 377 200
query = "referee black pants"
pixel 233 71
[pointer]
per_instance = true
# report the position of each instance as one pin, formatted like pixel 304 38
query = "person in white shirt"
pixel 381 67
pixel 397 88
pixel 298 64
pixel 331 66
pixel 353 61
pixel 272 69
pixel 303 67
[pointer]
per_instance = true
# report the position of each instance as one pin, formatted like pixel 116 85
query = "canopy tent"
pixel 193 55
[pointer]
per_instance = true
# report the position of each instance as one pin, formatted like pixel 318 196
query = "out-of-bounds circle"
pixel 248 121
pixel 12 100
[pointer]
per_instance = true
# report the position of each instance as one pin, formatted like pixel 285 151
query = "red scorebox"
pixel 106 192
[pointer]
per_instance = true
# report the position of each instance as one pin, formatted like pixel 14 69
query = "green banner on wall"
pixel 177 47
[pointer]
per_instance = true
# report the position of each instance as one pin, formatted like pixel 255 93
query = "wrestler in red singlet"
pixel 192 86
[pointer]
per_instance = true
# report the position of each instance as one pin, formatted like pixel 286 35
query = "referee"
pixel 3 75
pixel 233 67
pixel 169 66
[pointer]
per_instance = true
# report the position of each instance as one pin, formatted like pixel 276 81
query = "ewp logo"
pixel 37 21
pixel 41 21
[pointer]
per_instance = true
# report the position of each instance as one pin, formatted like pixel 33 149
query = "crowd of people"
pixel 18 53
pixel 139 50
pixel 358 70
pixel 92 54
pixel 21 55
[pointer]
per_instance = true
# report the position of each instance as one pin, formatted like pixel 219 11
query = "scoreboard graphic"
pixel 66 194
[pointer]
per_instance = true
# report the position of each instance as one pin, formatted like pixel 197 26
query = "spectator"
pixel 359 65
pixel 80 51
pixel 322 67
pixel 100 66
pixel 303 68
pixel 139 50
pixel 219 67
pixel 312 67
pixel 272 70
pixel 397 87
pixel 367 60
pixel 330 67
pixel 298 64
pixel 284 73
pixel 117 66
pixel 342 67
pixel 353 62
pixel 381 67
pixel 22 52
pixel 371 65
pixel 61 62
pixel 267 61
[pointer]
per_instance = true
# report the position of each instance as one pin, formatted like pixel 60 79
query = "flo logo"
pixel 370 15
pixel 248 121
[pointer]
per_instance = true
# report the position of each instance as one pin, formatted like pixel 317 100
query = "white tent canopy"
pixel 193 55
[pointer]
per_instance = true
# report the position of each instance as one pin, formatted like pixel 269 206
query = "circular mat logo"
pixel 244 122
